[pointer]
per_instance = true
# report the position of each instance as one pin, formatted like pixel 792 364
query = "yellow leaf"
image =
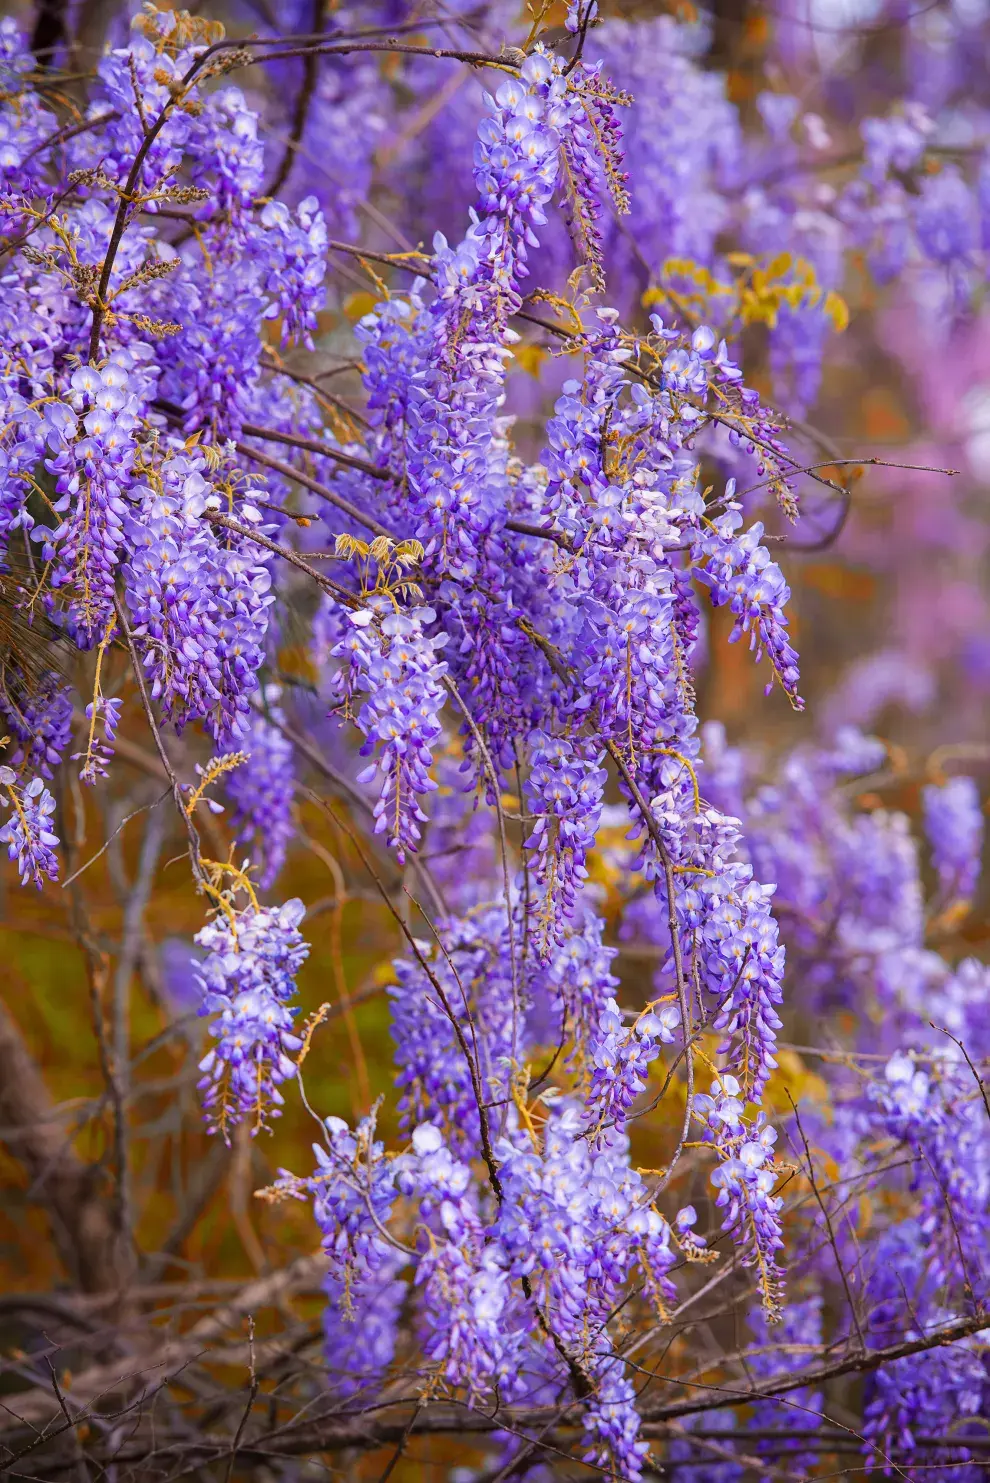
pixel 359 304
pixel 836 580
pixel 828 1166
pixel 794 1076
pixel 837 310
pixel 685 267
pixel 531 357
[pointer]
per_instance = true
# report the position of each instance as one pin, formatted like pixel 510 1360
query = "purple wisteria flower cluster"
pixel 456 648
pixel 954 825
pixel 27 832
pixel 390 658
pixel 262 790
pixel 247 978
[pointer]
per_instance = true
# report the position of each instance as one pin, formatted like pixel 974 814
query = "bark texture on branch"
pixel 136 1380
pixel 65 1187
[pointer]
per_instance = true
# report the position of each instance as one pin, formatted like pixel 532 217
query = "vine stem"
pixel 675 938
pixel 195 854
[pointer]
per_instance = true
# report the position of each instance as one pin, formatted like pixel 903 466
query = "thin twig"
pixel 111 837
pixel 130 951
pixel 976 1075
pixel 289 471
pixel 177 794
pixel 252 1396
pixel 350 599
pixel 323 450
pixel 304 98
pixel 860 1340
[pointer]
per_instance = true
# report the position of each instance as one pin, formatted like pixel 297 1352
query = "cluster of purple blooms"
pixel 745 1180
pixel 954 826
pixel 247 979
pixel 262 789
pixel 199 600
pixel 91 442
pixel 440 999
pixel 40 723
pixel 22 129
pixel 103 714
pixel 569 1225
pixel 564 793
pixel 621 1059
pixel 394 662
pixel 28 832
pixel 738 569
pixel 514 658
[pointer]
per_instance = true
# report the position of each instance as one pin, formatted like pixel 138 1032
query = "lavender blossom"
pixel 565 793
pixel 248 979
pixel 262 789
pixel 40 723
pixel 954 826
pixel 28 833
pixel 395 662
pixel 745 1178
pixel 621 1059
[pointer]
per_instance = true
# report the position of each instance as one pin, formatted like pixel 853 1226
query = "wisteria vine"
pixel 492 647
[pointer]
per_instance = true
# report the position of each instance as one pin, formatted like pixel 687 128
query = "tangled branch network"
pixel 584 1232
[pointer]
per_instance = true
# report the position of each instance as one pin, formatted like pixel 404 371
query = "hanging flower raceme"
pixel 446 362
pixel 954 825
pixel 934 1118
pixel 453 1023
pixel 612 1422
pixel 247 979
pixel 296 277
pixel 104 714
pixel 464 1291
pixel 745 1179
pixel 564 793
pixel 25 122
pixel 91 464
pixel 40 722
pixel 389 656
pixel 736 937
pixel 199 599
pixel 28 832
pixel 354 1190
pixel 262 789
pixel 621 1059
pixel 571 994
pixel 740 573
